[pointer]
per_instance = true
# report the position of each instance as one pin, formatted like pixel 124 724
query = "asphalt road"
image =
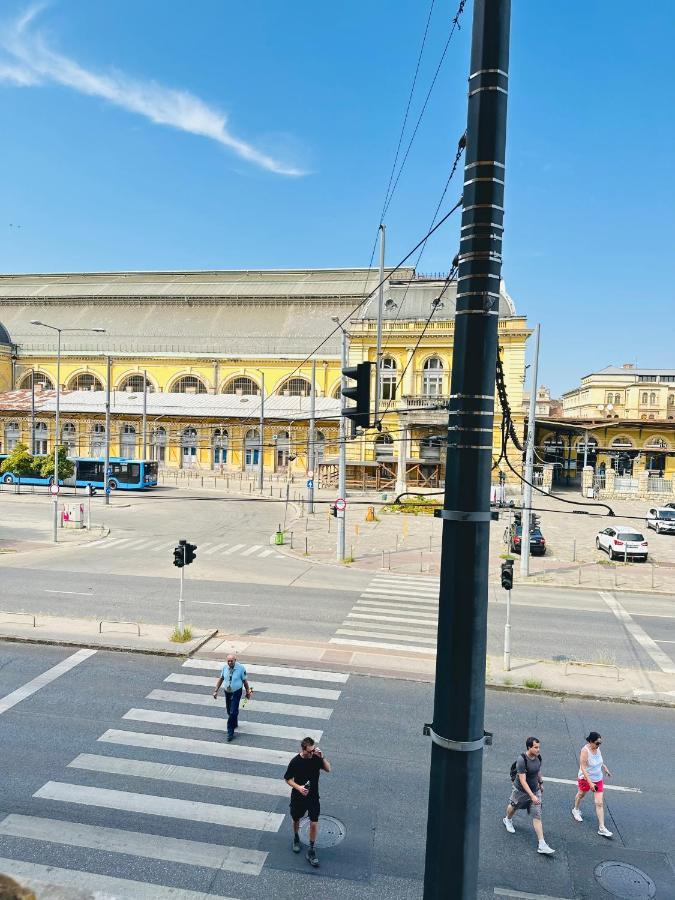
pixel 91 751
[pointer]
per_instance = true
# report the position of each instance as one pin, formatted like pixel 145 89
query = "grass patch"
pixel 605 657
pixel 508 681
pixel 533 683
pixel 347 560
pixel 506 556
pixel 180 637
pixel 415 506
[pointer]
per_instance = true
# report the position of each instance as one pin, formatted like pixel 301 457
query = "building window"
pixel 667 378
pixel 188 442
pixel 617 398
pixel 241 385
pixel 671 399
pixel 432 378
pixel 251 448
pixel 384 447
pixel 337 391
pixel 158 443
pixel 39 379
pixel 128 442
pixel 645 397
pixel 646 377
pixel 621 441
pixel 283 449
pixel 188 384
pixel 220 439
pixel 296 387
pixel 12 436
pixel 40 439
pixel 609 397
pixel 430 448
pixel 85 382
pixel 652 398
pixel 97 444
pixel 134 384
pixel 388 379
pixel 68 438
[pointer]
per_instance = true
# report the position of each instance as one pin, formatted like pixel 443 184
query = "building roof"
pixel 627 372
pixel 224 314
pixel 187 406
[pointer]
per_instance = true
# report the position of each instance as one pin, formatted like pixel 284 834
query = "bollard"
pixel 652 576
pixel 615 579
pixel 306 550
pixel 291 540
pixel 579 582
pixel 214 481
pixel 421 558
pixel 389 560
pixel 574 550
pixel 383 559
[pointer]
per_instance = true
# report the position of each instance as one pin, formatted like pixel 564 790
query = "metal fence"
pixel 626 485
pixel 658 485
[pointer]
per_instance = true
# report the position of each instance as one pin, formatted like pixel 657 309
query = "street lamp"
pixel 56 417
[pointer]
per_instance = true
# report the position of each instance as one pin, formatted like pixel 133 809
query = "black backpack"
pixel 514 766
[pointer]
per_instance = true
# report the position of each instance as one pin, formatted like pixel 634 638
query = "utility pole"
pixel 342 463
pixel 32 413
pixel 106 462
pixel 145 414
pixel 457 731
pixel 312 441
pixel 261 460
pixel 57 426
pixel 526 518
pixel 380 306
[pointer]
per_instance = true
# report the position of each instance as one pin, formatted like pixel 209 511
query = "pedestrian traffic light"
pixel 360 392
pixel 507 574
pixel 179 557
pixel 190 553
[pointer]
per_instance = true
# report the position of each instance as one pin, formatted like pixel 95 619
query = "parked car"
pixel 661 518
pixel 622 541
pixel 537 540
pixel 670 506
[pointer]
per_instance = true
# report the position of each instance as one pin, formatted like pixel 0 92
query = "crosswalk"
pixel 210 549
pixel 395 612
pixel 114 804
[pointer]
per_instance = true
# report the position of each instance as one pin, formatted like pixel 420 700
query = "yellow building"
pixel 623 392
pixel 206 344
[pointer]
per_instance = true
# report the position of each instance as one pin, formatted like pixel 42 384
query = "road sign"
pixel 53 489
pixel 310 473
pixel 341 503
pixel 310 482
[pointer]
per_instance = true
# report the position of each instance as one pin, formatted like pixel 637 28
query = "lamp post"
pixel 342 450
pixel 261 459
pixel 59 331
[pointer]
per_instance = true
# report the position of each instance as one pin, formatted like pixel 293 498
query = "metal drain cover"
pixel 331 832
pixel 625 881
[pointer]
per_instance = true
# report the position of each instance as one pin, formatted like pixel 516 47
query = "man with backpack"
pixel 526 793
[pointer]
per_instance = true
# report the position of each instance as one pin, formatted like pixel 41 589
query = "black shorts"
pixel 308 805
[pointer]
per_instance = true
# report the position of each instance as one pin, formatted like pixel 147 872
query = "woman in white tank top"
pixel 589 779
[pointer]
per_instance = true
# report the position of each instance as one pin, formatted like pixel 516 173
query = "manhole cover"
pixel 331 832
pixel 625 881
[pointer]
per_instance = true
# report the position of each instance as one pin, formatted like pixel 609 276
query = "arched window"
pixel 388 379
pixel 617 398
pixel 609 397
pixel 296 387
pixel 283 449
pixel 85 382
pixel 432 377
pixel 158 443
pixel 645 397
pixel 652 398
pixel 68 438
pixel 128 441
pixel 319 446
pixel 97 443
pixel 251 448
pixel 188 384
pixel 621 441
pixel 242 384
pixel 134 384
pixel 384 447
pixel 430 447
pixel 671 399
pixel 188 441
pixel 40 436
pixel 39 379
pixel 337 391
pixel 220 440
pixel 12 436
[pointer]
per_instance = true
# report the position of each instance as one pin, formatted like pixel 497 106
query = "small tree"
pixel 66 467
pixel 19 463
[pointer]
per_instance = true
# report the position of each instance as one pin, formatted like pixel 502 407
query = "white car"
pixel 622 541
pixel 661 518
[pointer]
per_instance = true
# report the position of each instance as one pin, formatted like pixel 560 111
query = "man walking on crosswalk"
pixel 302 775
pixel 234 676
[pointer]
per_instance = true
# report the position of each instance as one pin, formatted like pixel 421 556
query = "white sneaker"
pixel 544 848
pixel 605 832
pixel 508 824
pixel 576 814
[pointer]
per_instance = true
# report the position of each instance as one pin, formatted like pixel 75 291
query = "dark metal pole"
pixel 457 731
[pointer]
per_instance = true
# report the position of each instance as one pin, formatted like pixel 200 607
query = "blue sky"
pixel 213 135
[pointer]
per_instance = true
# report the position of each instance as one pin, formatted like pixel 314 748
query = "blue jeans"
pixel 232 706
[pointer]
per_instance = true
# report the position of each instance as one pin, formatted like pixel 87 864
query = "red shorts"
pixel 584 786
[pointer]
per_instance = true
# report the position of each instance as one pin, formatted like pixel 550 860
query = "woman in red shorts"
pixel 589 778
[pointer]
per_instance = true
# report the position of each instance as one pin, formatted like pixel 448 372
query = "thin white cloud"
pixel 29 61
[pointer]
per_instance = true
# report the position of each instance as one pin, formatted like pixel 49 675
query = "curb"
pixel 577 587
pixel 55 642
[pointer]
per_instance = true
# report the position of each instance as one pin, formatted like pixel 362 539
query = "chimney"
pixel 628 366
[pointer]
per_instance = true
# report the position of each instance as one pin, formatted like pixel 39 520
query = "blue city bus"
pixel 124 474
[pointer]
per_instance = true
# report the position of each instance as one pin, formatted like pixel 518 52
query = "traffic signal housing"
pixel 333 510
pixel 179 556
pixel 360 392
pixel 190 553
pixel 507 574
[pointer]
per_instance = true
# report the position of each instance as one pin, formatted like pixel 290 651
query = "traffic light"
pixel 333 510
pixel 360 391
pixel 178 556
pixel 190 553
pixel 507 574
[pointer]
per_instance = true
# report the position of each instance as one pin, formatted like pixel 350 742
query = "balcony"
pixel 421 409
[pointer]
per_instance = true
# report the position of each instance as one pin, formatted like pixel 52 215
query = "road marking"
pixel 287 732
pixel 373 607
pixel 390 618
pixel 103 886
pixel 422 580
pixel 266 553
pixel 282 709
pixel 507 892
pixel 411 648
pixel 195 747
pixel 292 690
pixel 252 550
pixel 168 807
pixel 608 787
pixel 384 636
pixel 428 630
pixel 254 784
pixel 401 592
pixel 662 660
pixel 233 549
pixel 409 601
pixel 116 542
pixel 217 603
pixel 77 593
pixel 665 642
pixel 135 843
pixel 217 547
pixel 277 671
pixel 31 687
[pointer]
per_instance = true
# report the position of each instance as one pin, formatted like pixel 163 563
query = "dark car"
pixel 537 540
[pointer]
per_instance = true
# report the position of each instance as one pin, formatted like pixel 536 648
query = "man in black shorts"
pixel 302 775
